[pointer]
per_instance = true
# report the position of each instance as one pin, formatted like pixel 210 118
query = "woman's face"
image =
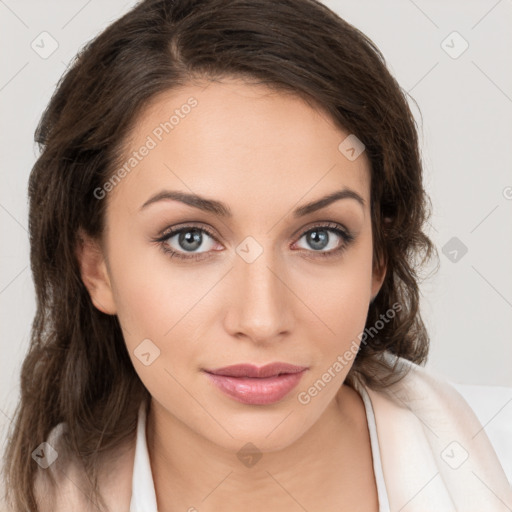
pixel 258 277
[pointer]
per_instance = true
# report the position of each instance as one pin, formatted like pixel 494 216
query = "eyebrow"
pixel 222 210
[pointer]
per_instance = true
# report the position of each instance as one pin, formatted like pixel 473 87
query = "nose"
pixel 261 305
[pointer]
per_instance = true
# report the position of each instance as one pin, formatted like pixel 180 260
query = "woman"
pixel 226 232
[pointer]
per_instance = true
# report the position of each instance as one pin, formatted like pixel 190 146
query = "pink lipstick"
pixel 254 385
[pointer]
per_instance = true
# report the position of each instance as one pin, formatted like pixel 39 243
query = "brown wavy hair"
pixel 77 369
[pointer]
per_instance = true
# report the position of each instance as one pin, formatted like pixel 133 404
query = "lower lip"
pixel 257 391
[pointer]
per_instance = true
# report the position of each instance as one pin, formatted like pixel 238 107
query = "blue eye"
pixel 189 239
pixel 320 238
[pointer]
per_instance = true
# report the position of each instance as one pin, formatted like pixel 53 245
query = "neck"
pixel 190 472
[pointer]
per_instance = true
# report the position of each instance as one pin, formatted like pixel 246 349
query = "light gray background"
pixel 466 136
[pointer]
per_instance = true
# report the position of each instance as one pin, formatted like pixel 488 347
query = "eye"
pixel 185 242
pixel 328 239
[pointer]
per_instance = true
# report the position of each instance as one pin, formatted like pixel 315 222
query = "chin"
pixel 268 430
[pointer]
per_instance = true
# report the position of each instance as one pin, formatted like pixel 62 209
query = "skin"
pixel 263 153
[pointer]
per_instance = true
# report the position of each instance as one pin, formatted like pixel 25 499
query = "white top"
pixel 143 489
pixel 415 427
pixel 493 407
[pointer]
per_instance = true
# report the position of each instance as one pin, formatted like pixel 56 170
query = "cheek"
pixel 340 300
pixel 145 297
pixel 154 305
pixel 339 293
pixel 159 300
pixel 154 302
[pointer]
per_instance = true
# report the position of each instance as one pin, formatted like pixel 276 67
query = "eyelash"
pixel 329 226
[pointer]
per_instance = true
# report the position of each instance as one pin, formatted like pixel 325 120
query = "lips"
pixel 254 372
pixel 254 385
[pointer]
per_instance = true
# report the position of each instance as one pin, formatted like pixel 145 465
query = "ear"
pixel 94 273
pixel 378 276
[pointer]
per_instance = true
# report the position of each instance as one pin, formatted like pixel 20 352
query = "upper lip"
pixel 252 371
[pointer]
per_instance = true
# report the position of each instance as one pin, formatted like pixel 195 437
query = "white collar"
pixel 143 488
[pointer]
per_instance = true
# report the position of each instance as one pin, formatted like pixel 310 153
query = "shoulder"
pixel 61 483
pixel 426 429
pixel 443 407
pixel 493 407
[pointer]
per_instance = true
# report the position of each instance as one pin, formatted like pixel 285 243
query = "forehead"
pixel 238 141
